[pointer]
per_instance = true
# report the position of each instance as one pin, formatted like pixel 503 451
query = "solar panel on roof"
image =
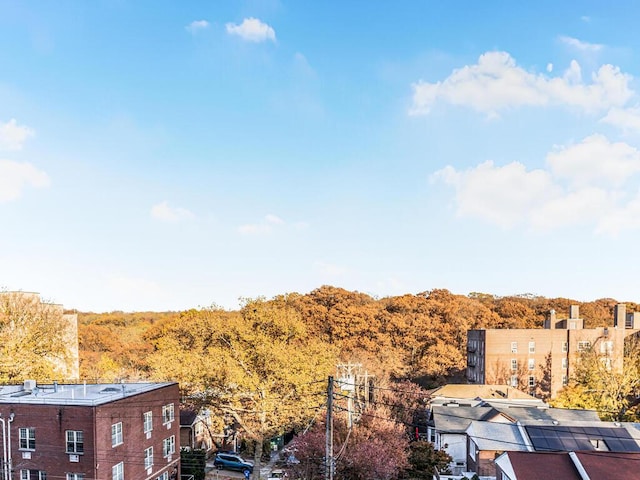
pixel 570 438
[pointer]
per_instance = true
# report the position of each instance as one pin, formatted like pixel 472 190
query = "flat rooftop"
pixel 74 394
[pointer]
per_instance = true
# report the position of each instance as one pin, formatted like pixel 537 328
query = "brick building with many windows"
pixel 123 431
pixel 541 360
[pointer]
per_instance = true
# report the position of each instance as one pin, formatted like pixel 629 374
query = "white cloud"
pixel 585 18
pixel 626 119
pixel 583 184
pixel 266 226
pixel 196 26
pixel 595 161
pixel 15 176
pixel 581 46
pixel 252 30
pixel 13 136
pixel 497 194
pixel 549 67
pixel 329 269
pixel 162 211
pixel 496 83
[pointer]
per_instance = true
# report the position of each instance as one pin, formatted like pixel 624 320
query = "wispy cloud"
pixel 580 45
pixel 196 26
pixel 587 183
pixel 162 211
pixel 252 30
pixel 329 269
pixel 13 136
pixel 16 176
pixel 497 83
pixel 266 226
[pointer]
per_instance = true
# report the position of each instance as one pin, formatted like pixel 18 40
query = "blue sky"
pixel 161 155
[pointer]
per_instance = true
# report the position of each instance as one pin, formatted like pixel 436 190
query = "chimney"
pixel 574 312
pixel 619 315
pixel 550 321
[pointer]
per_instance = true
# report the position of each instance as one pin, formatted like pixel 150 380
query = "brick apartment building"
pixel 90 432
pixel 541 360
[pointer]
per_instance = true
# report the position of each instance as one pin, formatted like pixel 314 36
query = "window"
pixel 147 421
pixel 33 475
pixel 117 471
pixel 514 364
pixel 514 381
pixel 565 347
pixel 584 345
pixel 572 325
pixel 168 446
pixel 532 364
pixel 27 439
pixel 606 347
pixel 164 476
pixel 532 347
pixel 532 381
pixel 75 441
pixel 564 363
pixel 148 457
pixel 167 413
pixel 514 347
pixel 75 476
pixel 116 434
pixel 564 380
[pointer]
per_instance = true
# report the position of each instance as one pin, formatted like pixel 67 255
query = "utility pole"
pixel 328 471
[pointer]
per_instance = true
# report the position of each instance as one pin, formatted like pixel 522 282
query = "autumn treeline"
pixel 419 337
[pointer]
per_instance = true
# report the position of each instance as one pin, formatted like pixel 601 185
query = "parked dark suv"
pixel 232 461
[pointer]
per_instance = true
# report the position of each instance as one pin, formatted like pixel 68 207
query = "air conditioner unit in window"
pixel 74 458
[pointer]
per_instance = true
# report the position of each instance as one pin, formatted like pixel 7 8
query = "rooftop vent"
pixel 29 385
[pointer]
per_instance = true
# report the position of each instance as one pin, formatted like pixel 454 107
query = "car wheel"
pixel 246 472
pixel 218 467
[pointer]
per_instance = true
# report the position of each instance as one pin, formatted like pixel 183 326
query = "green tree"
pixel 258 368
pixel 595 385
pixel 34 339
pixel 425 460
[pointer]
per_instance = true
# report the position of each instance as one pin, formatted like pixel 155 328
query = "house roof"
pixel 538 416
pixel 610 465
pixel 534 466
pixel 555 438
pixel 497 436
pixel 479 391
pixel 188 417
pixel 74 394
pixel 457 419
pixel 597 465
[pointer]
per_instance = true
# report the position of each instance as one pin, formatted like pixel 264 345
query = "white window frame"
pixel 565 347
pixel 532 347
pixel 147 422
pixel 584 345
pixel 606 347
pixel 148 457
pixel 164 476
pixel 514 347
pixel 532 381
pixel 532 364
pixel 76 438
pixel 25 474
pixel 27 435
pixel 117 438
pixel 117 471
pixel 75 476
pixel 565 381
pixel 514 381
pixel 565 363
pixel 514 364
pixel 169 446
pixel 168 413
